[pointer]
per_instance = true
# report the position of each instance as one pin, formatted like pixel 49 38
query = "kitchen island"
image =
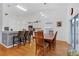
pixel 7 38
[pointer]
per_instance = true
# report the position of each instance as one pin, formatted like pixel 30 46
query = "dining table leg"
pixel 50 45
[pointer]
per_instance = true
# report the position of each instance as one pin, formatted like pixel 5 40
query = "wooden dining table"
pixel 48 38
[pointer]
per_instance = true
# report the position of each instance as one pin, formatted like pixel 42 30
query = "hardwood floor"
pixel 29 50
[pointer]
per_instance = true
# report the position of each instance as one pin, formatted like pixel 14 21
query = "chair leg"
pixel 43 52
pixel 36 51
pixel 19 42
pixel 24 42
pixel 13 41
pixel 54 45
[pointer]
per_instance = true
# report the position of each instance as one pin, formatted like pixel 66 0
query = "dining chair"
pixel 19 38
pixel 16 39
pixel 26 36
pixel 30 34
pixel 22 37
pixel 41 45
pixel 54 41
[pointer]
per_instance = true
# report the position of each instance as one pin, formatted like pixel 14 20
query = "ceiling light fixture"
pixel 42 14
pixel 45 3
pixel 21 8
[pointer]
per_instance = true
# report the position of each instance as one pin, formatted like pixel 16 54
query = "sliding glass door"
pixel 75 32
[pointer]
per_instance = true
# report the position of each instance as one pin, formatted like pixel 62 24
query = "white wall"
pixel 0 22
pixel 14 22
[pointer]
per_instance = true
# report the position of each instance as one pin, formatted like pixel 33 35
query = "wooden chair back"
pixel 19 33
pixel 39 37
pixel 54 39
pixel 22 33
pixel 30 32
pixel 26 33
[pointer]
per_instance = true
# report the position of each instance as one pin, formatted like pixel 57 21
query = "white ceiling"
pixel 51 9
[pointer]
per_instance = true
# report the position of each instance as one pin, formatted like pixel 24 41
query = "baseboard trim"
pixel 65 42
pixel 7 46
pixel 4 45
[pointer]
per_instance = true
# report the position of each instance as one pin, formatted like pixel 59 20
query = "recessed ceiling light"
pixel 41 13
pixel 21 8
